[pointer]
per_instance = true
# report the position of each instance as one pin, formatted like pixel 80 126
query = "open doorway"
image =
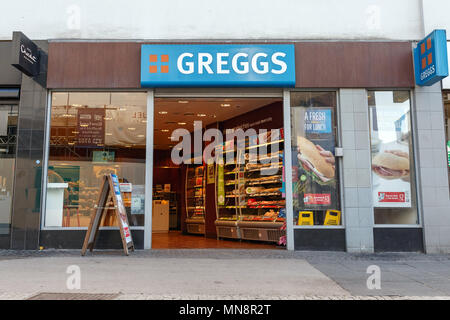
pixel 233 198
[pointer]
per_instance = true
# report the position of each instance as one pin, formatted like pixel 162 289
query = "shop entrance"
pixel 217 173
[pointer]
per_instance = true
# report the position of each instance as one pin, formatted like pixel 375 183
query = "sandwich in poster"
pixel 317 162
pixel 391 165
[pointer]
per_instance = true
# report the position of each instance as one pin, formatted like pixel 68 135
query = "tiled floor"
pixel 176 240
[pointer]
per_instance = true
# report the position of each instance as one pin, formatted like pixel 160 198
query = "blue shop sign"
pixel 217 65
pixel 430 59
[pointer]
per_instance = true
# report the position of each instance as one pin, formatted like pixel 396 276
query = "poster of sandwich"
pixel 390 145
pixel 314 162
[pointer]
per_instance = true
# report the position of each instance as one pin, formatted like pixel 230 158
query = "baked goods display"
pixel 253 189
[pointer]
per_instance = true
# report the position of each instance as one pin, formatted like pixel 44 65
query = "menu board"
pixel 91 126
pixel 390 145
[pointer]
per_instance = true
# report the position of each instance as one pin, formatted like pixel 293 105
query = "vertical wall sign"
pixel 430 59
pixel 29 59
pixel 26 55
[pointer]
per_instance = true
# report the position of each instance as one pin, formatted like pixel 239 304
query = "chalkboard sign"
pixel 110 190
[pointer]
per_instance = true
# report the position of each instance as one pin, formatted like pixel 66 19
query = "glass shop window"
pixel 94 134
pixel 316 192
pixel 393 174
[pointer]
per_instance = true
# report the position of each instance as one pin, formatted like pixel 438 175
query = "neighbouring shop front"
pixel 327 157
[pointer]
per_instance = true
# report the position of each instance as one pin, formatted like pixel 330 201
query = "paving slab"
pixel 203 273
pixel 248 277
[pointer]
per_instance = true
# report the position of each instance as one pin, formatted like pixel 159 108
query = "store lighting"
pixel 108 134
pixel 162 112
pixel 84 125
pixel 107 118
pixel 122 109
pixel 182 123
pixel 141 136
pixel 225 105
pixel 132 129
pixel 164 130
pixel 201 115
pixel 75 132
pixel 183 101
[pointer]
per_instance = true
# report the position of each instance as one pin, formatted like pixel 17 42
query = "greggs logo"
pixel 217 65
pixel 159 62
pixel 426 59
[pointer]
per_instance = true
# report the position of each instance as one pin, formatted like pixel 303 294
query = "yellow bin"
pixel 332 218
pixel 305 218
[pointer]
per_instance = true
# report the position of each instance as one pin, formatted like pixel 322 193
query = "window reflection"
pixel 93 134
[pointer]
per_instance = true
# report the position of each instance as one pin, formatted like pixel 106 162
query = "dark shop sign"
pixel 25 55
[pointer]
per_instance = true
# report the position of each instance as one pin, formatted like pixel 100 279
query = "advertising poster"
pixel 448 152
pixel 120 206
pixel 91 126
pixel 125 126
pixel 138 199
pixel 210 171
pixel 390 145
pixel 103 156
pixel 220 185
pixel 315 181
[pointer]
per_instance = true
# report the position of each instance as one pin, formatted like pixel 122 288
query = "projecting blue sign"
pixel 430 59
pixel 217 65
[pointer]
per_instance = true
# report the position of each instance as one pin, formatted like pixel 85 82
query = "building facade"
pixel 352 62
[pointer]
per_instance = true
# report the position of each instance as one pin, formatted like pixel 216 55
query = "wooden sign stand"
pixel 110 190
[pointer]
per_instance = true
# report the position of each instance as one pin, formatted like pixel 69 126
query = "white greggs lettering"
pixel 240 63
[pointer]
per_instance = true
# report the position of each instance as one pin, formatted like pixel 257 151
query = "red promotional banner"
pixel 314 198
pixel 392 197
pixel 91 126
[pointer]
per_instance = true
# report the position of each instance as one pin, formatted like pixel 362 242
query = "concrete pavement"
pixel 225 274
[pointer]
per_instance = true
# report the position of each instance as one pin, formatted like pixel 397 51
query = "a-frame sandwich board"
pixel 110 190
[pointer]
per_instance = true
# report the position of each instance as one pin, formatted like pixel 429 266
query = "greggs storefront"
pixel 308 145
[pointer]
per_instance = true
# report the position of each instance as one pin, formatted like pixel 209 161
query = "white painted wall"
pixel 213 19
pixel 446 81
pixel 436 15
